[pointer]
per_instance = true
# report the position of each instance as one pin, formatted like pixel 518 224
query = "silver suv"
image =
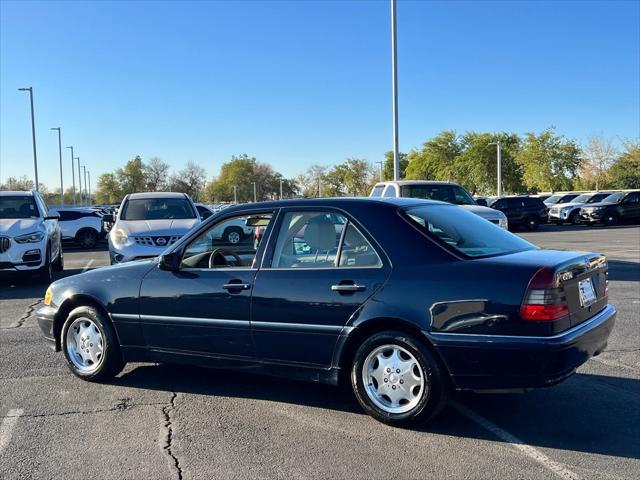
pixel 148 223
pixel 29 236
pixel 444 191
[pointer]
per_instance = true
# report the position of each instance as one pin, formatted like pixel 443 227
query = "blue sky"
pixel 297 83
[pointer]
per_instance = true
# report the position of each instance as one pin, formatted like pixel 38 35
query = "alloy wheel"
pixel 84 343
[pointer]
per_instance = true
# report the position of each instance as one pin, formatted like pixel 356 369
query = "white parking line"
pixel 8 424
pixel 528 450
pixel 87 266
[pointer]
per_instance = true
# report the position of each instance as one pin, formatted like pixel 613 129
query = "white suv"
pixel 82 225
pixel 30 237
pixel 148 223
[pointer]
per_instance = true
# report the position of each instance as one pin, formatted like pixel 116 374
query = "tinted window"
pixel 568 198
pixel 443 193
pixel 598 197
pixel 553 199
pixel 377 191
pixel 514 202
pixel 465 232
pixel 204 212
pixel 69 215
pixel 533 202
pixel 633 197
pixel 390 191
pixel 614 197
pixel 157 209
pixel 18 206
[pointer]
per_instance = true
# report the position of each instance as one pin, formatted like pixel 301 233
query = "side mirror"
pixel 107 218
pixel 170 261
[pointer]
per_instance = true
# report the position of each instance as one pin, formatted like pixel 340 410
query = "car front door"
pixel 631 206
pixel 319 269
pixel 203 308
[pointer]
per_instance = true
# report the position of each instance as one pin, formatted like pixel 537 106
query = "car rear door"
pixel 320 267
pixel 631 206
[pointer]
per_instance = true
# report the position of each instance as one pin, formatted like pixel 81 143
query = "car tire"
pixel 575 219
pixel 58 265
pixel 45 273
pixel 415 366
pixel 532 223
pixel 610 219
pixel 232 235
pixel 87 238
pixel 90 345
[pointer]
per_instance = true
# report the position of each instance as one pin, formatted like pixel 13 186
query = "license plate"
pixel 587 292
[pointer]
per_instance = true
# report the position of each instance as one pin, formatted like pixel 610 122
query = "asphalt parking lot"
pixel 168 422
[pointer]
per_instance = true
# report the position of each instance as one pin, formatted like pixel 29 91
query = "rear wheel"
pixel 574 218
pixel 397 380
pixel 87 238
pixel 90 345
pixel 232 235
pixel 611 218
pixel 532 223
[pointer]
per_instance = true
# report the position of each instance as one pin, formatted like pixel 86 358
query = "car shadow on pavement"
pixel 624 271
pixel 588 413
pixel 24 285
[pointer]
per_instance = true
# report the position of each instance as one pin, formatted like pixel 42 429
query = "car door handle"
pixel 349 287
pixel 236 286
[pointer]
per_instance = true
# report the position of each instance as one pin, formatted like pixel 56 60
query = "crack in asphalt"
pixel 168 437
pixel 122 405
pixel 24 317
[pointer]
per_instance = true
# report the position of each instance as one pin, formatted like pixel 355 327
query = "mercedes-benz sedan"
pixel 404 299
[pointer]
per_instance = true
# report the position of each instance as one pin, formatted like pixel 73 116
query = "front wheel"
pixel 90 345
pixel 397 380
pixel 45 273
pixel 232 235
pixel 532 223
pixel 87 238
pixel 610 219
pixel 575 219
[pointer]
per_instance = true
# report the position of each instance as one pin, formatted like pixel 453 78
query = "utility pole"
pixel 498 145
pixel 254 192
pixel 79 182
pixel 394 86
pixel 60 155
pixel 319 187
pixel 73 178
pixel 380 163
pixel 33 134
pixel 235 194
pixel 280 189
pixel 84 171
pixel 90 197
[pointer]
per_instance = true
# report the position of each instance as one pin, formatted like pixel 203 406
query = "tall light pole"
pixel 280 189
pixel 380 163
pixel 235 194
pixel 255 196
pixel 73 178
pixel 498 145
pixel 394 86
pixel 84 172
pixel 60 155
pixel 319 186
pixel 33 133
pixel 79 182
pixel 90 197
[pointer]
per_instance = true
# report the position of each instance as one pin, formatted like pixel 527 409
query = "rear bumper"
pixel 45 317
pixel 477 362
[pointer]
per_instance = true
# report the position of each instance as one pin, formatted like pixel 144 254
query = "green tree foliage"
pixel 436 159
pixel 156 175
pixel 22 183
pixel 353 177
pixel 549 162
pixel 387 168
pixel 131 177
pixel 625 171
pixel 108 189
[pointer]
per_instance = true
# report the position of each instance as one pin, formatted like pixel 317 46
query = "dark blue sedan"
pixel 405 299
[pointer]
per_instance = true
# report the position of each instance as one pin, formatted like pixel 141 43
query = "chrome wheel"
pixel 233 237
pixel 84 345
pixel 393 379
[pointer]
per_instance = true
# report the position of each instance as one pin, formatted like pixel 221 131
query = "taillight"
pixel 544 300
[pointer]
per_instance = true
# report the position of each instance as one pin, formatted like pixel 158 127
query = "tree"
pixel 312 182
pixel 598 155
pixel 108 189
pixel 387 166
pixel 625 171
pixel 131 177
pixel 549 162
pixel 352 177
pixel 18 183
pixel 156 175
pixel 435 161
pixel 190 180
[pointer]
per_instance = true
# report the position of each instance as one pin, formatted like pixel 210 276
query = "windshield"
pixel 553 199
pixel 614 197
pixel 444 193
pixel 598 197
pixel 19 206
pixel 157 209
pixel 582 198
pixel 466 232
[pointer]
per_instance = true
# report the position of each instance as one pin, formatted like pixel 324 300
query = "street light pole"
pixel 394 86
pixel 60 155
pixel 79 182
pixel 498 145
pixel 90 197
pixel 280 189
pixel 255 199
pixel 33 133
pixel 380 163
pixel 235 194
pixel 73 177
pixel 84 173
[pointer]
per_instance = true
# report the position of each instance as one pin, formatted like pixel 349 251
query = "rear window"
pixel 157 209
pixel 443 193
pixel 465 232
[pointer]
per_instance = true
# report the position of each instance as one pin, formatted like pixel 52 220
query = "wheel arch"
pixel 84 229
pixel 80 300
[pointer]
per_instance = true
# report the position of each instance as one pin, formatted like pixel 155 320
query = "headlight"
pixel 120 239
pixel 504 223
pixel 33 237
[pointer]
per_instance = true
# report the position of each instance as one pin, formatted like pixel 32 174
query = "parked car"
pixel 570 212
pixel 559 198
pixel 522 211
pixel 82 225
pixel 412 298
pixel 443 191
pixel 616 208
pixel 30 239
pixel 148 223
pixel 542 197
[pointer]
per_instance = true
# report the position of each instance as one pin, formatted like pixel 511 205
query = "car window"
pixel 157 209
pixel 633 197
pixel 18 206
pixel 567 198
pixel 598 197
pixel 204 212
pixel 465 232
pixel 356 251
pixel 614 197
pixel 377 191
pixel 232 242
pixel 461 196
pixel 514 202
pixel 390 191
pixel 429 192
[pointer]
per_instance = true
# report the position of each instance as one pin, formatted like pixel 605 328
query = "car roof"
pixel 156 195
pixel 416 182
pixel 8 193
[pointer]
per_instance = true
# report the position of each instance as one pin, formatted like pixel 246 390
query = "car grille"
pixel 157 241
pixel 5 243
